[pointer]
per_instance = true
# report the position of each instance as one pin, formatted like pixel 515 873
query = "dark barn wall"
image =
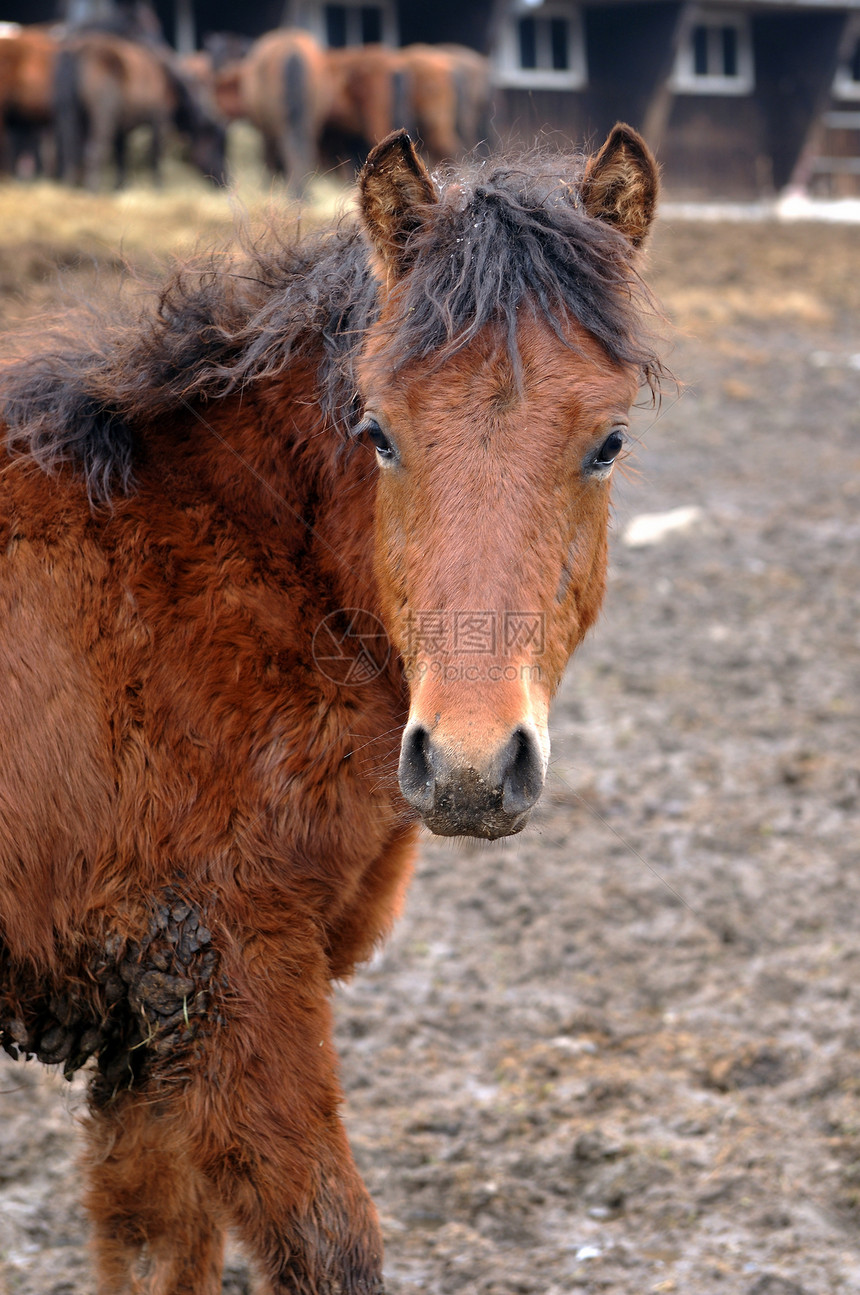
pixel 464 22
pixel 630 51
pixel 528 117
pixel 749 146
pixel 714 145
pixel 25 11
pixel 796 56
pixel 708 145
pixel 223 15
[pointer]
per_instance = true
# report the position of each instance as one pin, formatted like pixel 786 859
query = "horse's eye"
pixel 609 450
pixel 377 437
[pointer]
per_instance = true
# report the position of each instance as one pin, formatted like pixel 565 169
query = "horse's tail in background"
pixel 296 90
pixel 69 117
pixel 402 112
pixel 297 146
pixel 463 114
pixel 472 108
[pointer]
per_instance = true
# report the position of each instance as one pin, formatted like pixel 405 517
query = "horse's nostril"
pixel 416 774
pixel 522 772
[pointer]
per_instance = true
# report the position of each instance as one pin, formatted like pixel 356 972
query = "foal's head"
pixel 496 386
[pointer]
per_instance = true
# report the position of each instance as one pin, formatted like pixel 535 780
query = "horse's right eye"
pixel 378 439
pixel 599 463
pixel 610 449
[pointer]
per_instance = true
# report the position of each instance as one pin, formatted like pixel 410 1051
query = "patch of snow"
pixel 793 205
pixel 651 528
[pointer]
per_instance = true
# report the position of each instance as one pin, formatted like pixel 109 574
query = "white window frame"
pixel 310 14
pixel 686 80
pixel 844 85
pixel 507 69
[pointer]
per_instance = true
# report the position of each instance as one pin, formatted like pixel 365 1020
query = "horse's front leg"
pixel 120 156
pixel 153 1226
pixel 157 142
pixel 261 1115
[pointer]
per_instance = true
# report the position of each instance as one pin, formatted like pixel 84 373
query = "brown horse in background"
pixel 28 57
pixel 370 98
pixel 449 96
pixel 283 87
pixel 106 87
pixel 289 562
pixel 471 72
pixel 441 93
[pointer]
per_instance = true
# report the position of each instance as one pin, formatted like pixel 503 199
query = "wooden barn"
pixel 740 98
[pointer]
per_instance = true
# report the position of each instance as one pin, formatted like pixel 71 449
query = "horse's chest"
pixel 225 713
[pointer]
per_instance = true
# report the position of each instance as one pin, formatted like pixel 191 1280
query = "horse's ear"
pixel 393 187
pixel 621 182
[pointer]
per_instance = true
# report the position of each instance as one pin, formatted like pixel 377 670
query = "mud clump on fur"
pixel 137 1003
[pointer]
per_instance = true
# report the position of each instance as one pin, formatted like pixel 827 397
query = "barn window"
pixel 847 82
pixel 352 22
pixel 539 44
pixel 714 55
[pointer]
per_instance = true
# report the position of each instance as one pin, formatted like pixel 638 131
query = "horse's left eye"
pixel 609 450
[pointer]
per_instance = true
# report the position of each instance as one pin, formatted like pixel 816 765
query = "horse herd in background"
pixel 69 101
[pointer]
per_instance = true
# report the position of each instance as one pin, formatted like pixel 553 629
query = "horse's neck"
pixel 311 490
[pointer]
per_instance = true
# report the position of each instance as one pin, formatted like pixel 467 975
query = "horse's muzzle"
pixel 459 797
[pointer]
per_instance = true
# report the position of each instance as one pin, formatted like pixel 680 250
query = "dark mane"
pixel 504 235
pixel 83 389
pixel 513 234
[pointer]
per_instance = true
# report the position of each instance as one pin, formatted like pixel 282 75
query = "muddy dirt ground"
pixel 622 1051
